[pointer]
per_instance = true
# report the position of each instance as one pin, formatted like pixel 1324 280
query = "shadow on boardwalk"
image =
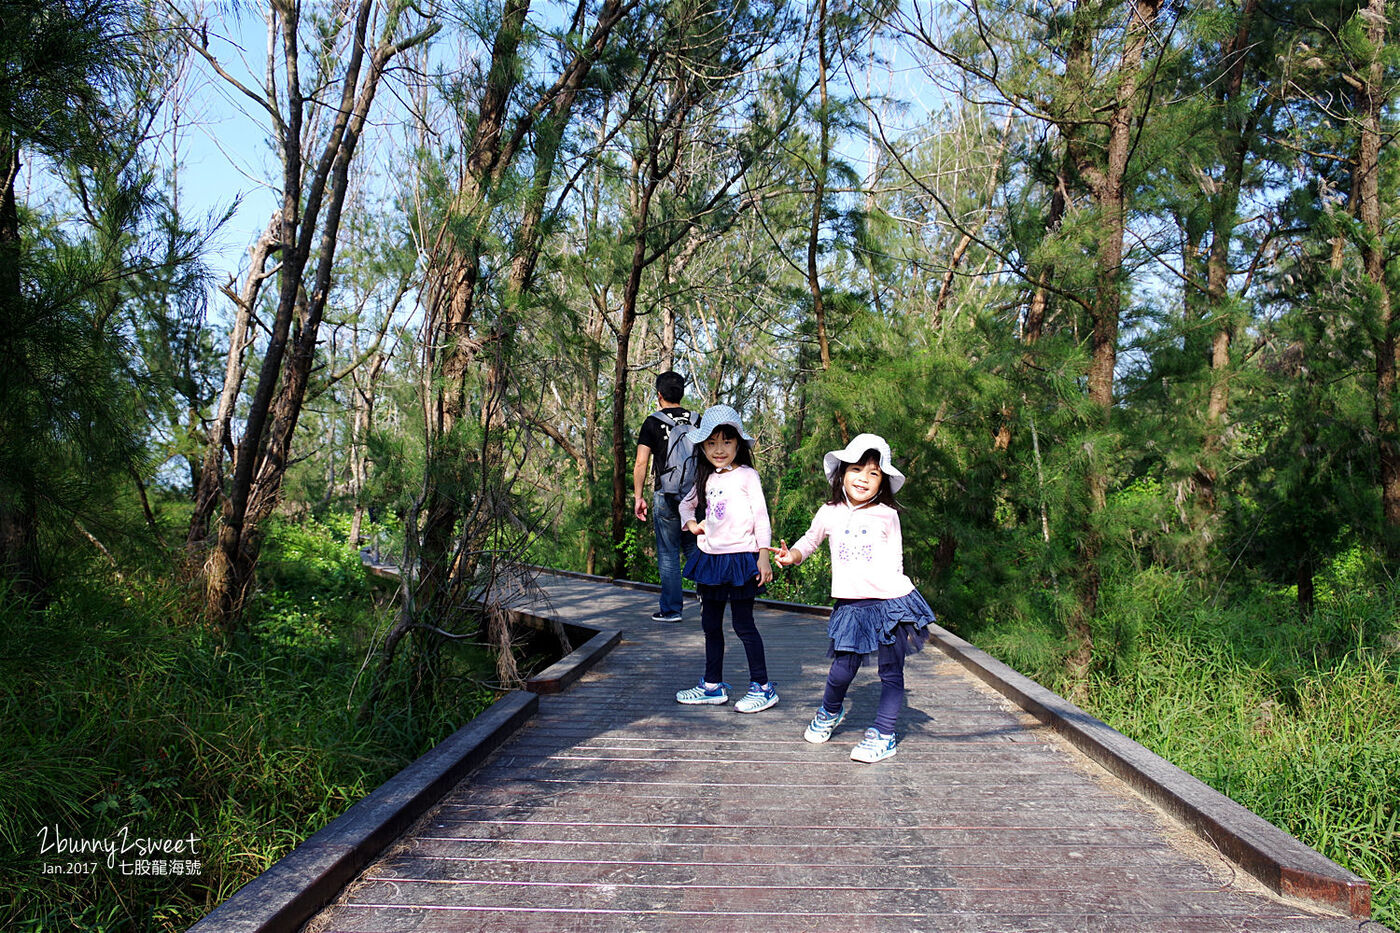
pixel 615 808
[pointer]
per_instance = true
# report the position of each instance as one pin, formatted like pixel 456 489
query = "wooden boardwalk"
pixel 615 808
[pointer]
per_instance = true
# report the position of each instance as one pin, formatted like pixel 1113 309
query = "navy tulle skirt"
pixel 863 625
pixel 724 576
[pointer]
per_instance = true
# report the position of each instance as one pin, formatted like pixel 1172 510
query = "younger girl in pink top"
pixel 730 565
pixel 878 612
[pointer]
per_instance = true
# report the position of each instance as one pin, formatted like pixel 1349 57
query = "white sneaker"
pixel 876 746
pixel 823 724
pixel 700 695
pixel 759 698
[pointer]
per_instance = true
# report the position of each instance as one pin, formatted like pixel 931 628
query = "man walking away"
pixel 663 437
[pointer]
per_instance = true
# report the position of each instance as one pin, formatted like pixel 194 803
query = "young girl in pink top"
pixel 730 564
pixel 878 612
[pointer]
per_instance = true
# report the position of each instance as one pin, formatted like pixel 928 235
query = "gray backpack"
pixel 678 473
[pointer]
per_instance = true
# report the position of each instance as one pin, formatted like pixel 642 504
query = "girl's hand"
pixel 765 569
pixel 695 528
pixel 785 557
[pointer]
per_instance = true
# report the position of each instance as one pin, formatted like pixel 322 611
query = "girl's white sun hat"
pixel 715 416
pixel 854 451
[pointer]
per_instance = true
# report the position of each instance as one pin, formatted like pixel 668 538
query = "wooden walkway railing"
pixel 608 806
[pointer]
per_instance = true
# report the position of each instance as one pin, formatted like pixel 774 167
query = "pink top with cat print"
pixel 736 517
pixel 867 551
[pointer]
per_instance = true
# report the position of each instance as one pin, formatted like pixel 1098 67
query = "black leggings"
pixel 843 671
pixel 741 616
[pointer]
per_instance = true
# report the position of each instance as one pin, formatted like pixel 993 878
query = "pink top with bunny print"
pixel 867 551
pixel 736 517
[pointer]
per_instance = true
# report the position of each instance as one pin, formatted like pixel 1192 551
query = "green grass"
pixel 1298 720
pixel 119 711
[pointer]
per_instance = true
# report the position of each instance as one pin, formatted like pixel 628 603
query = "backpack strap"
pixel 672 422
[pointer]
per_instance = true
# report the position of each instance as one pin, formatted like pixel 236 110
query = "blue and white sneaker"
pixel 759 698
pixel 702 695
pixel 823 724
pixel 876 746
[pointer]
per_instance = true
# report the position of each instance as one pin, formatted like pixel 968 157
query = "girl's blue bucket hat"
pixel 715 416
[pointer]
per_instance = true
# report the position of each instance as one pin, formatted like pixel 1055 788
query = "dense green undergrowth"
pixel 125 719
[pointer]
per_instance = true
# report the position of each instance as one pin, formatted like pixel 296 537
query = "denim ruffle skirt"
pixel 724 576
pixel 863 625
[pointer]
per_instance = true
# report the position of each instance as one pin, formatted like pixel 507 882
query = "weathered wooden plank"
pixel 1157 857
pixel 837 896
pixel 930 745
pixel 778 747
pixel 704 814
pixel 940 869
pixel 1066 782
pixel 1031 828
pixel 461 919
pixel 832 797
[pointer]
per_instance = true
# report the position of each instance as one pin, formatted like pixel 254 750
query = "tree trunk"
pixel 304 232
pixel 596 325
pixel 1105 172
pixel 19 516
pixel 359 440
pixel 452 307
pixel 211 471
pixel 945 284
pixel 19 513
pixel 814 285
pixel 1374 99
pixel 455 300
pixel 529 240
pixel 1307 591
pixel 19 542
pixel 1235 146
pixel 620 435
pixel 9 228
pixel 663 149
pixel 1034 324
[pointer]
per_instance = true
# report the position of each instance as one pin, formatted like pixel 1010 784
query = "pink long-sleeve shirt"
pixel 736 517
pixel 867 551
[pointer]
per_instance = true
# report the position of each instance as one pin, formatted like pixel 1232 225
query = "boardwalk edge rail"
pixel 298 885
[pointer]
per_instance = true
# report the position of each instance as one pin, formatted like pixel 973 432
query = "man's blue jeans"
pixel 674 545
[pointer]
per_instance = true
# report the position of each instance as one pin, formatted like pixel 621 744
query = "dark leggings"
pixel 712 622
pixel 843 671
